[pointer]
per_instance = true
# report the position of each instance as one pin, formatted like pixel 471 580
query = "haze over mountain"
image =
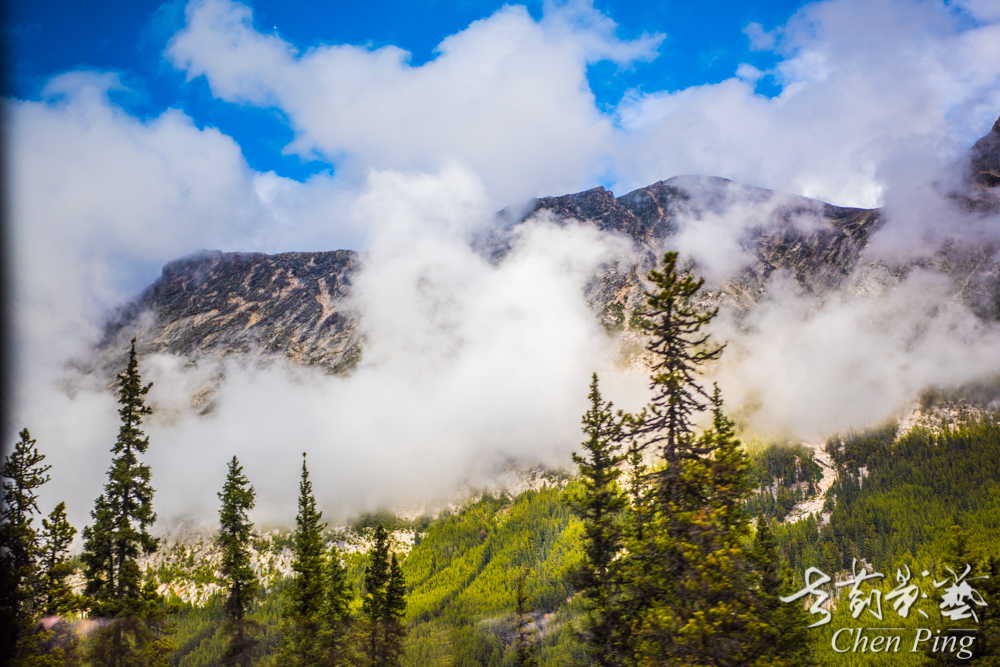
pixel 299 305
pixel 833 320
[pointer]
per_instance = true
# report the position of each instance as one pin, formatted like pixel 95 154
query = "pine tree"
pixel 394 617
pixel 56 539
pixel 600 503
pixel 336 635
pixel 784 637
pixel 123 514
pixel 59 642
pixel 525 646
pixel 24 473
pixel 987 647
pixel 674 324
pixel 374 606
pixel 235 532
pixel 688 581
pixel 307 594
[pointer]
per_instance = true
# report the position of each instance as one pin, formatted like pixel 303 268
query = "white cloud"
pixel 507 97
pixel 873 94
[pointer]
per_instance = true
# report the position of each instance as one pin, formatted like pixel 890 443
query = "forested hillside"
pixel 462 575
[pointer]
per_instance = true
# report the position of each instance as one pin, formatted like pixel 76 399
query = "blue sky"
pixel 702 43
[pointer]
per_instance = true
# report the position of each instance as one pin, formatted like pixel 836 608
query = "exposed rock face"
pixel 294 305
pixel 817 243
pixel 984 165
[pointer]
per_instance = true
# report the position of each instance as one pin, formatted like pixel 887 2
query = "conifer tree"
pixel 394 617
pixel 674 322
pixel 235 532
pixel 303 622
pixel 24 473
pixel 374 606
pixel 336 636
pixel 123 514
pixel 56 642
pixel 600 503
pixel 56 539
pixel 525 646
pixel 688 581
pixel 784 638
pixel 987 648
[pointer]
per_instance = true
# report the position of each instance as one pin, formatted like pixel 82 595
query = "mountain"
pixel 298 305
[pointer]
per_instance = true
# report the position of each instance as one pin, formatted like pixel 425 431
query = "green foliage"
pixel 384 604
pixel 56 566
pixel 337 636
pixel 303 613
pixel 784 637
pixel 235 532
pixel 20 582
pixel 783 475
pixel 690 591
pixel 137 631
pixel 896 501
pixel 600 503
pixel 525 649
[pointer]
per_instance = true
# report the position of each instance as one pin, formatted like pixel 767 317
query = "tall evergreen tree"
pixel 394 617
pixel 307 593
pixel 673 321
pixel 58 643
pixel 336 635
pixel 118 537
pixel 235 532
pixel 688 581
pixel 600 503
pixel 56 539
pixel 525 646
pixel 24 473
pixel 375 605
pixel 987 649
pixel 784 638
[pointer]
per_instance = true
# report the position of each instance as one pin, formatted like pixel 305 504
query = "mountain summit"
pixel 298 305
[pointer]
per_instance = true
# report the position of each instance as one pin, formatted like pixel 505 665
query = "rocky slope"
pixel 296 305
pixel 292 304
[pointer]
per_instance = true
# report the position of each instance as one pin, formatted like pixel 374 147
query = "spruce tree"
pixel 59 643
pixel 336 635
pixel 673 321
pixel 374 606
pixel 394 617
pixel 600 503
pixel 56 539
pixel 688 581
pixel 243 588
pixel 525 647
pixel 117 539
pixel 987 647
pixel 784 637
pixel 307 593
pixel 24 473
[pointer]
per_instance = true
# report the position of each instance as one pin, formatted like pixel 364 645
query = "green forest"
pixel 667 545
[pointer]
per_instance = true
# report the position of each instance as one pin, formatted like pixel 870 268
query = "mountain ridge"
pixel 297 305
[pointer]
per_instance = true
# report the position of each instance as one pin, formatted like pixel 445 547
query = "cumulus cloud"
pixel 507 97
pixel 873 95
